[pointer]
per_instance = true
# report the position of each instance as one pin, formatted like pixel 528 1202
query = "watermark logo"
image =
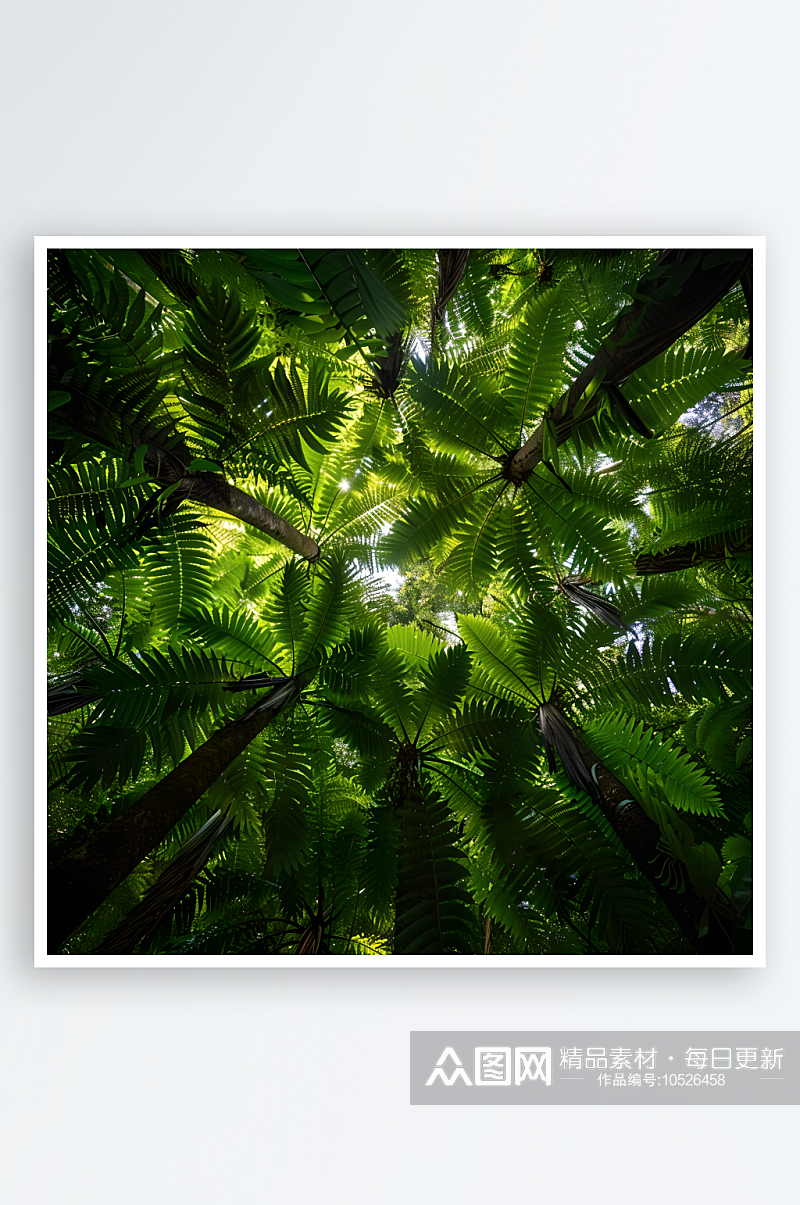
pixel 457 1071
pixel 494 1067
pixel 532 1062
pixel 557 1067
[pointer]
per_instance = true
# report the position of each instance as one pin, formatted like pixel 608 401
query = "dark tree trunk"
pixel 641 836
pixel 452 266
pixel 643 331
pixel 171 885
pixel 213 490
pixel 689 556
pixel 79 883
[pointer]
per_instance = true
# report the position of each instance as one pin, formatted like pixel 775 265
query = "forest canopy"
pixel 400 601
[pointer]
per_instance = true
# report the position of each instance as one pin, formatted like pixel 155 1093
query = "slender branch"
pixel 121 618
pixel 583 936
pixel 88 643
pixel 96 625
pixel 609 468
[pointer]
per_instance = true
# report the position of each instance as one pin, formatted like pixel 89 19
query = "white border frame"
pixel 42 244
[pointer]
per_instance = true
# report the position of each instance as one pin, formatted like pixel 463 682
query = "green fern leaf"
pixel 443 681
pixel 433 912
pixel 535 373
pixel 626 745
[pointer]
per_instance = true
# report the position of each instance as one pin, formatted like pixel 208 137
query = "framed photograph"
pixel 400 603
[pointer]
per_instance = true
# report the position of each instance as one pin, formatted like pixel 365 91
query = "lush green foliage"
pixel 542 742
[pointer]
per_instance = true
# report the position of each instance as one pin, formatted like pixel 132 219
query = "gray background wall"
pixel 363 118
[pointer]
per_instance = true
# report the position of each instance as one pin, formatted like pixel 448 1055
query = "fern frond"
pixel 433 911
pixel 623 744
pixel 666 387
pixel 461 415
pixel 443 681
pixel 536 370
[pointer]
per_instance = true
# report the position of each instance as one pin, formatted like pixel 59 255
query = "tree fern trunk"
pixel 86 876
pixel 452 266
pixel 642 332
pixel 173 883
pixel 641 837
pixel 214 491
pixel 700 552
pixel 211 489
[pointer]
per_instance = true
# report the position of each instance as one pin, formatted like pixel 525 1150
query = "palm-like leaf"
pixel 327 293
pixel 624 744
pixel 433 913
